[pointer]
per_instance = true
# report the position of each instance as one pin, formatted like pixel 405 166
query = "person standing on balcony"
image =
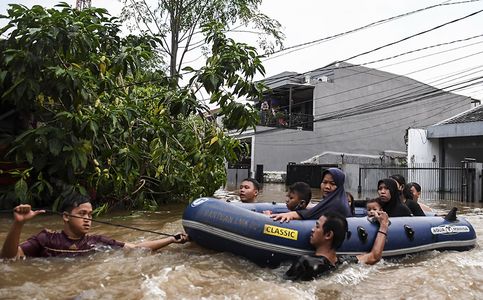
pixel 265 110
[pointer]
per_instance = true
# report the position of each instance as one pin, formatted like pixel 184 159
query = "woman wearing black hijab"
pixel 413 206
pixel 334 199
pixel 406 197
pixel 389 194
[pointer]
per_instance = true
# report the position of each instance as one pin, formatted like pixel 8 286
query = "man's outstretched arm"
pixel 179 238
pixel 21 214
pixel 376 253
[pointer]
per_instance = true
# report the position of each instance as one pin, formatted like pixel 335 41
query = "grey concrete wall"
pixel 388 95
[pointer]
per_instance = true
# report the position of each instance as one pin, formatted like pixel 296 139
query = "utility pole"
pixel 81 4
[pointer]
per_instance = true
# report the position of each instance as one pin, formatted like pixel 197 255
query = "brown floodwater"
pixel 191 272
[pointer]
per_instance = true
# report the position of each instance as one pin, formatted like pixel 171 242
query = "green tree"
pixel 178 24
pixel 102 121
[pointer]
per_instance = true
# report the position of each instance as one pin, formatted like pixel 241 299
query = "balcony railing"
pixel 286 120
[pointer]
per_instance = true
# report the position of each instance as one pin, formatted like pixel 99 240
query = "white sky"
pixel 307 20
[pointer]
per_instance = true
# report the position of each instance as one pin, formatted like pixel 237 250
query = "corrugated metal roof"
pixel 472 115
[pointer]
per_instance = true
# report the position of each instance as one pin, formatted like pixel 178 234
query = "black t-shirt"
pixel 415 208
pixel 310 267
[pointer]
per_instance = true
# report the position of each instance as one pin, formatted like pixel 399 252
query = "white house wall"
pixel 420 148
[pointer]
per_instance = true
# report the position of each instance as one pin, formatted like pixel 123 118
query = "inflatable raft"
pixel 242 229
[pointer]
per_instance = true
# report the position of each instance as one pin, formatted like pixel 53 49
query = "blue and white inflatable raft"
pixel 242 229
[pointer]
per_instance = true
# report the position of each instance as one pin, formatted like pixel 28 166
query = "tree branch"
pixel 190 36
pixel 166 46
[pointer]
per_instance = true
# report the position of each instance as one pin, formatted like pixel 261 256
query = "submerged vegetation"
pixel 95 114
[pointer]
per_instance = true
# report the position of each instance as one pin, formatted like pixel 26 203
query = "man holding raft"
pixel 73 240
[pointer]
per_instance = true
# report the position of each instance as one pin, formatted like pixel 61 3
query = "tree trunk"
pixel 174 25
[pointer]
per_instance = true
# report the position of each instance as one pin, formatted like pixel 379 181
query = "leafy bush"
pixel 103 121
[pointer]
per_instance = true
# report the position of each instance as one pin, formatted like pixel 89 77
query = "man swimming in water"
pixel 73 240
pixel 327 235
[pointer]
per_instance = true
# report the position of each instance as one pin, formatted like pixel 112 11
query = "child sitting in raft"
pixel 298 197
pixel 373 206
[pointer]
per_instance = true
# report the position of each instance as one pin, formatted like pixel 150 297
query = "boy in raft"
pixel 73 240
pixel 298 197
pixel 327 235
pixel 249 189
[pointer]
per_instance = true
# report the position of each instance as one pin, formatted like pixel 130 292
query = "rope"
pixel 176 236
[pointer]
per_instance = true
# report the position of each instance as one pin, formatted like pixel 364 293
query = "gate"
pixel 235 175
pixel 451 182
pixel 308 173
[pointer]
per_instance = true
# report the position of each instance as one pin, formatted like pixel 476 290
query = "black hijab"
pixel 335 201
pixel 394 207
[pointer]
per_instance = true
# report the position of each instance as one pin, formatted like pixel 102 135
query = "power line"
pixel 383 46
pixel 375 83
pixel 420 89
pixel 426 48
pixel 388 110
pixel 397 101
pixel 409 94
pixel 317 41
pixel 413 88
pixel 360 129
pixel 371 107
pixel 415 35
pixel 404 76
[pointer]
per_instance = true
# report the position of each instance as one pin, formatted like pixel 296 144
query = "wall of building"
pixel 421 149
pixel 456 149
pixel 394 109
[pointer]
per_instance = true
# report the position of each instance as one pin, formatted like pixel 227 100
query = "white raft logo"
pixel 199 201
pixel 449 229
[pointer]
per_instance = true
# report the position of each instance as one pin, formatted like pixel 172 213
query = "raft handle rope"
pixel 409 232
pixel 176 236
pixel 362 233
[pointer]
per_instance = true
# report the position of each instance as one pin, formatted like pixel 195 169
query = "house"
pixel 455 145
pixel 359 112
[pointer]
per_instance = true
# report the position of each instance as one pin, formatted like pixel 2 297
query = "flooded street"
pixel 191 272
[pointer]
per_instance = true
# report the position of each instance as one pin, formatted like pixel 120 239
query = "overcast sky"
pixel 307 20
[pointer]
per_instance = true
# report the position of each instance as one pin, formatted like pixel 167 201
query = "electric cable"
pixel 176 236
pixel 317 41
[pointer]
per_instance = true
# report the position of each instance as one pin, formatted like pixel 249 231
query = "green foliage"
pixel 103 122
pixel 179 24
pixel 228 75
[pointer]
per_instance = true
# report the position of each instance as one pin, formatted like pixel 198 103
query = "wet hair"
pixel 399 178
pixel 352 206
pixel 375 200
pixel 72 201
pixel 336 223
pixel 406 192
pixel 256 184
pixel 303 190
pixel 416 186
